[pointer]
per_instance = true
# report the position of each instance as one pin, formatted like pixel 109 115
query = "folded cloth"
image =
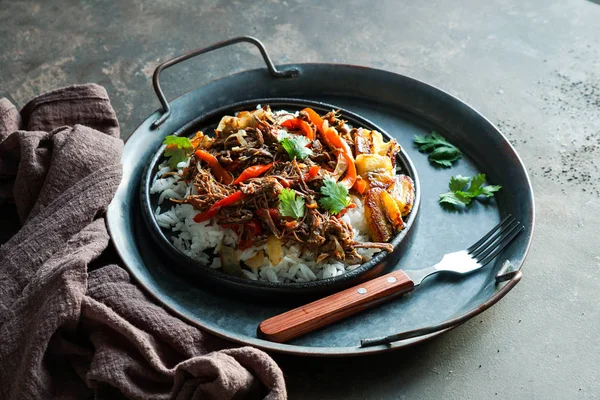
pixel 72 325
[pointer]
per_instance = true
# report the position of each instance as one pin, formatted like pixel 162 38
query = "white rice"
pixel 194 239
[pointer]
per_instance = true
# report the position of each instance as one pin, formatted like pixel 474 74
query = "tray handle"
pixel 166 108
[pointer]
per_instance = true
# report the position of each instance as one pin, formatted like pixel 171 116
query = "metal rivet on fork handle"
pixel 362 290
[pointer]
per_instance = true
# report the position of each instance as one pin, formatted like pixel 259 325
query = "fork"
pixel 299 321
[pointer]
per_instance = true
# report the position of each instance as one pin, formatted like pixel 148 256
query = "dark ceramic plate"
pixel 402 107
pixel 225 283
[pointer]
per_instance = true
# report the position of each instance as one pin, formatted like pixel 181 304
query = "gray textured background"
pixel 532 67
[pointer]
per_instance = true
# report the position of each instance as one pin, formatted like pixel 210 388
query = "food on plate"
pixel 282 196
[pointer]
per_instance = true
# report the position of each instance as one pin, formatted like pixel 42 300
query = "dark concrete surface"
pixel 530 66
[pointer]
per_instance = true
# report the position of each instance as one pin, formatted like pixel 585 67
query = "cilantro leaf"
pixel 455 198
pixel 179 141
pixel 294 145
pixel 291 205
pixel 460 194
pixel 488 191
pixel 458 182
pixel 441 151
pixel 444 156
pixel 335 196
pixel 428 143
pixel 178 149
pixel 476 183
pixel 176 155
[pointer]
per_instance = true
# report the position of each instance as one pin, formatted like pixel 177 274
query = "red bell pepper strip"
pixel 360 185
pixel 214 209
pixel 315 119
pixel 252 172
pixel 273 213
pixel 332 138
pixel 335 140
pixel 350 177
pixel 291 224
pixel 253 227
pixel 297 123
pixel 214 165
pixel 244 244
pixel 233 166
pixel 345 210
pixel 312 172
pixel 197 139
pixel 286 183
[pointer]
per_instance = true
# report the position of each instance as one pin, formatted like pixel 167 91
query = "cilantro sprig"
pixel 290 205
pixel 441 151
pixel 178 149
pixel 335 196
pixel 461 194
pixel 294 145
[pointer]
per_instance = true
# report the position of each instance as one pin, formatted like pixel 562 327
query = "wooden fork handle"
pixel 322 312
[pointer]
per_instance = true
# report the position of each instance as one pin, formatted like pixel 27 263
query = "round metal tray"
pixel 401 106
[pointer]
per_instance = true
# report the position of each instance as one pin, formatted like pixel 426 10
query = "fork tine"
pixel 485 249
pixel 502 225
pixel 508 238
pixel 496 239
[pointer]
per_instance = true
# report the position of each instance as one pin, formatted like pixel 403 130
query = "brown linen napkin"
pixel 72 325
